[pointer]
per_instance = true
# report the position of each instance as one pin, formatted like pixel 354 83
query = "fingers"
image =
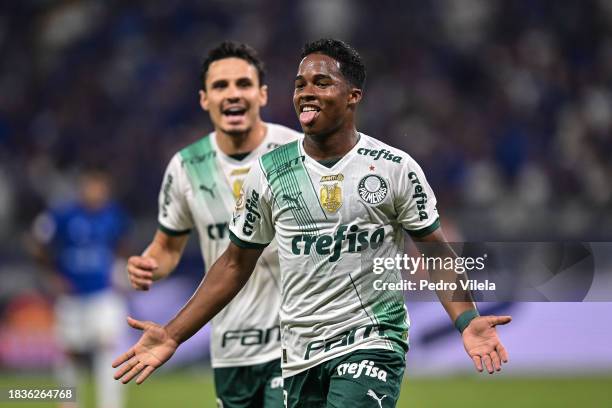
pixel 145 374
pixel 141 283
pixel 142 262
pixel 496 361
pixel 137 324
pixel 140 273
pixel 132 373
pixel 125 368
pixel 501 350
pixel 499 320
pixel 477 363
pixel 486 359
pixel 123 358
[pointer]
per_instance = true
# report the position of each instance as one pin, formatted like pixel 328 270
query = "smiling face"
pixel 323 99
pixel 233 95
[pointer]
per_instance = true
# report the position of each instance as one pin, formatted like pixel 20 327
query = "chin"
pixel 237 130
pixel 317 132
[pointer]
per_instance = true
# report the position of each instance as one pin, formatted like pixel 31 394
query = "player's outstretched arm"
pixel 157 344
pixel 479 335
pixel 157 261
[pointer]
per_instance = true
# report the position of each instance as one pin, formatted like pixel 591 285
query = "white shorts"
pixel 85 323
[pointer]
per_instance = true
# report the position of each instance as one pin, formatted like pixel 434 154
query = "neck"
pixel 330 146
pixel 242 142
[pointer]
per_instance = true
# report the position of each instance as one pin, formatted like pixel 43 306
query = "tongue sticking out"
pixel 306 118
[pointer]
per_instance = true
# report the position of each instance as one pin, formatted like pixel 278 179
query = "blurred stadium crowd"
pixel 507 105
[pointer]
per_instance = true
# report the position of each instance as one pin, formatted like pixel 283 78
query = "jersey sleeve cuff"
pixel 172 232
pixel 424 231
pixel 244 244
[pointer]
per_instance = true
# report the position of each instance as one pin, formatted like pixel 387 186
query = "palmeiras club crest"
pixel 372 189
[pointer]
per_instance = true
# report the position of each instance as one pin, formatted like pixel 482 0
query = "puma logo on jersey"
pixel 373 395
pixel 365 367
pixel 252 213
pixel 419 195
pixel 293 200
pixel 377 154
pixel 209 190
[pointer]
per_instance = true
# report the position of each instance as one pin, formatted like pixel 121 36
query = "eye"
pixel 219 85
pixel 244 83
pixel 299 84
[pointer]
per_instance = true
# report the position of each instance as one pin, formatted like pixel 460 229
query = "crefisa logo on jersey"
pixel 419 195
pixel 372 189
pixel 365 367
pixel 252 213
pixel 330 193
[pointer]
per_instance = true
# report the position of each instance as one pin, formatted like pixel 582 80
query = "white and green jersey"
pixel 329 224
pixel 199 191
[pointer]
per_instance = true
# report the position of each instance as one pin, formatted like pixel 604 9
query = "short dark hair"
pixel 351 64
pixel 231 49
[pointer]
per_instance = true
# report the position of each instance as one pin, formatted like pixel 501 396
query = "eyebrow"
pixel 224 81
pixel 316 77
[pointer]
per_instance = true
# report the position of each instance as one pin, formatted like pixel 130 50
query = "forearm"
pixel 456 301
pixel 222 282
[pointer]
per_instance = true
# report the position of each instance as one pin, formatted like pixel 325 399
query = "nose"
pixel 305 94
pixel 233 93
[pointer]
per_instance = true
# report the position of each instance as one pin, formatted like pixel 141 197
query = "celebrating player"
pixel 332 200
pixel 199 191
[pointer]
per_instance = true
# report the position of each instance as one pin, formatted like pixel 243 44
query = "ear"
pixel 263 95
pixel 203 100
pixel 354 96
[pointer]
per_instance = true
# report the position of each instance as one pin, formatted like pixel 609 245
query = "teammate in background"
pixel 80 243
pixel 332 200
pixel 200 188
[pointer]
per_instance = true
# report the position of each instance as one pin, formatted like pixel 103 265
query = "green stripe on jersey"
pixel 207 181
pixel 291 185
pixel 390 314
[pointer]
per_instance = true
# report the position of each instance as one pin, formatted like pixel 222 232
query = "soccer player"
pixel 200 188
pixel 331 200
pixel 80 242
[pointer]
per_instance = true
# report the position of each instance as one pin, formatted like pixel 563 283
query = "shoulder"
pixel 383 153
pixel 199 150
pixel 280 157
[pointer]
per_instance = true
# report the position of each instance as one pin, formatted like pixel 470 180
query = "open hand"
pixel 154 348
pixel 482 344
